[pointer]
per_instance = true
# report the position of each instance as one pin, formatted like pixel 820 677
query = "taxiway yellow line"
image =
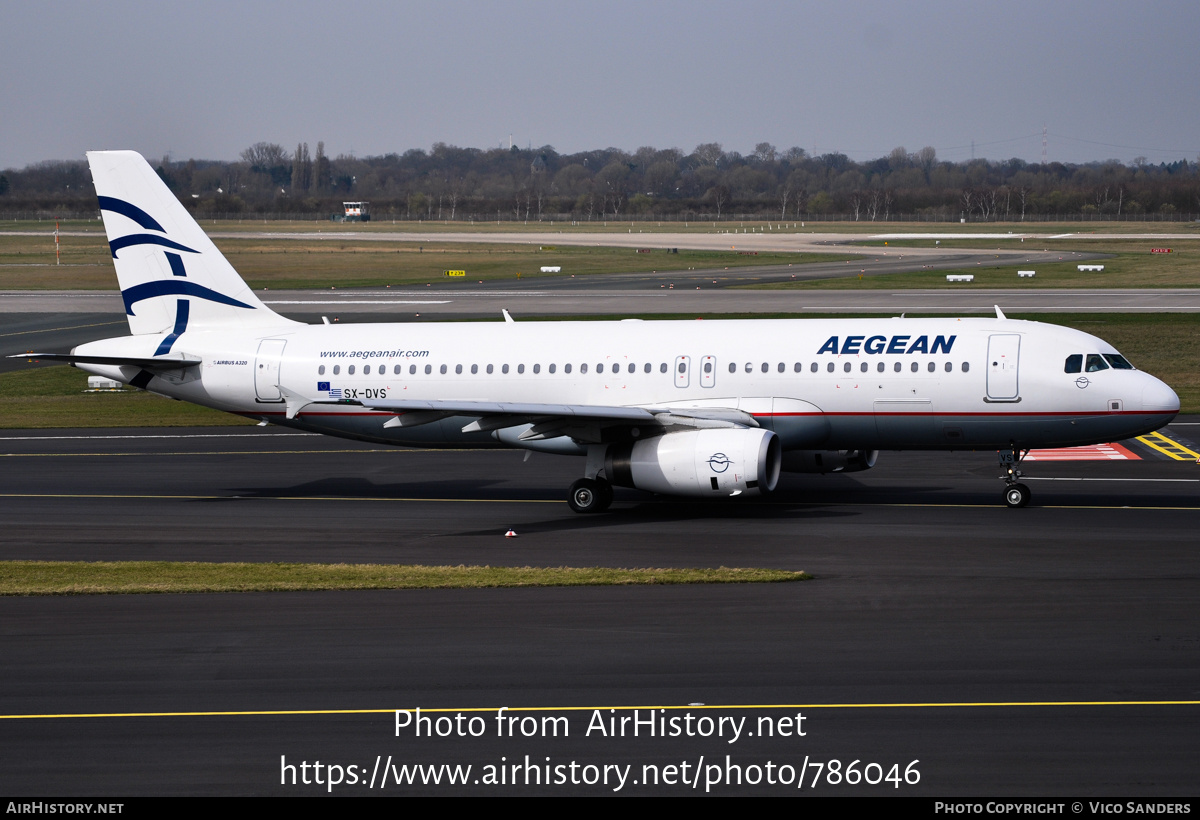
pixel 665 707
pixel 1170 444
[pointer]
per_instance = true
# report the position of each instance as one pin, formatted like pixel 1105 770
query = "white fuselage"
pixel 818 384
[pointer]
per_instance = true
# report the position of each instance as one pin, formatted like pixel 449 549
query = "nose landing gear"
pixel 1016 494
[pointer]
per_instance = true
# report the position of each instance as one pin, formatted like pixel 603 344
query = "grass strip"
pixel 138 577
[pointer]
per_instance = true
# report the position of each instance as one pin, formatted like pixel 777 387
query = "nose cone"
pixel 1156 395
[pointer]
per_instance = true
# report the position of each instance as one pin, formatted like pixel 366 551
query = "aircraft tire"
pixel 586 496
pixel 1016 495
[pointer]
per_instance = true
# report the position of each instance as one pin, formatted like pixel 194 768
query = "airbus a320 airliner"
pixel 699 409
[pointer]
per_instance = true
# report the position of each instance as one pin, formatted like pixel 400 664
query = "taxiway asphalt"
pixel 1066 632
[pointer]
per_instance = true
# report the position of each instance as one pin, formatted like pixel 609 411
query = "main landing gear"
pixel 590 495
pixel 1016 494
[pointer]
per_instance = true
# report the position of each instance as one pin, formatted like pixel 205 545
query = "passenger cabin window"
pixel 966 366
pixel 321 370
pixel 798 367
pixel 458 369
pixel 879 367
pixel 829 367
pixel 537 368
pixel 1118 361
pixel 662 368
pixel 474 369
pixel 520 368
pixel 896 367
pixel 350 370
pixel 846 367
pixel 443 369
pixel 567 368
pixel 915 367
pixel 863 367
pixel 1096 362
pixel 504 369
pixel 1074 363
pixel 396 370
pixel 583 367
pixel 412 369
pixel 337 368
pixel 647 367
pixel 600 368
pixel 366 370
pixel 813 367
pixel 732 367
pixel 489 369
pixel 428 369
pixel 632 367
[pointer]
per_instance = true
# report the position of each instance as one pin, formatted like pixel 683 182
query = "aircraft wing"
pixel 168 362
pixel 583 421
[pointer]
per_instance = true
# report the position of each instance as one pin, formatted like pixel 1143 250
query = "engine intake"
pixel 726 461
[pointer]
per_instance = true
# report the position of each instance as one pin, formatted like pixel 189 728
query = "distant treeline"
pixel 451 183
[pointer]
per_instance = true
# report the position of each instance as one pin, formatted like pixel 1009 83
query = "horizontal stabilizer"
pixel 171 362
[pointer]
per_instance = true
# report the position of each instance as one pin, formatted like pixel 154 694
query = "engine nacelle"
pixel 712 462
pixel 828 461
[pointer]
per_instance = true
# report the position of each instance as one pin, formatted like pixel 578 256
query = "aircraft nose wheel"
pixel 1016 495
pixel 590 495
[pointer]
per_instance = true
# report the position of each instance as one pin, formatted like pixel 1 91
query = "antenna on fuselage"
pixel 507 318
pixel 999 312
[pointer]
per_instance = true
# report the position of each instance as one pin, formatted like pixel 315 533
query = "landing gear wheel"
pixel 1016 495
pixel 588 496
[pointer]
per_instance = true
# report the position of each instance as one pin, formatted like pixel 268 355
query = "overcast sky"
pixel 207 79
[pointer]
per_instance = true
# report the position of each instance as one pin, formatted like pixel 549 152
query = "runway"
pixel 1066 632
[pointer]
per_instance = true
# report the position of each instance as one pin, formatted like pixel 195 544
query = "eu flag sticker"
pixel 322 387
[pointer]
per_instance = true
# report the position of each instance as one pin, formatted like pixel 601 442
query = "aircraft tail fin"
pixel 172 276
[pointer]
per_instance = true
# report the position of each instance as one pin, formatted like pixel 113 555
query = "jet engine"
pixel 722 461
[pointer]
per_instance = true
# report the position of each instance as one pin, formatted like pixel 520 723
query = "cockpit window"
pixel 1118 361
pixel 1074 363
pixel 1095 362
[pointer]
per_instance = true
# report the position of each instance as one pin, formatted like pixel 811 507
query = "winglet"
pixel 999 312
pixel 507 318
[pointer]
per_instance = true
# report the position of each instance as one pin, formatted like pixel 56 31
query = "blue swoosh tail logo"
pixel 175 287
pixel 128 209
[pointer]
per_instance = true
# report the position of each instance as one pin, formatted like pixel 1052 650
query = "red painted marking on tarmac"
pixel 1094 452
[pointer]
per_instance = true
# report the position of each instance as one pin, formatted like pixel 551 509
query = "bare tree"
pixel 874 201
pixel 302 168
pixel 784 193
pixel 719 195
pixel 264 155
pixel 856 204
pixel 708 152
